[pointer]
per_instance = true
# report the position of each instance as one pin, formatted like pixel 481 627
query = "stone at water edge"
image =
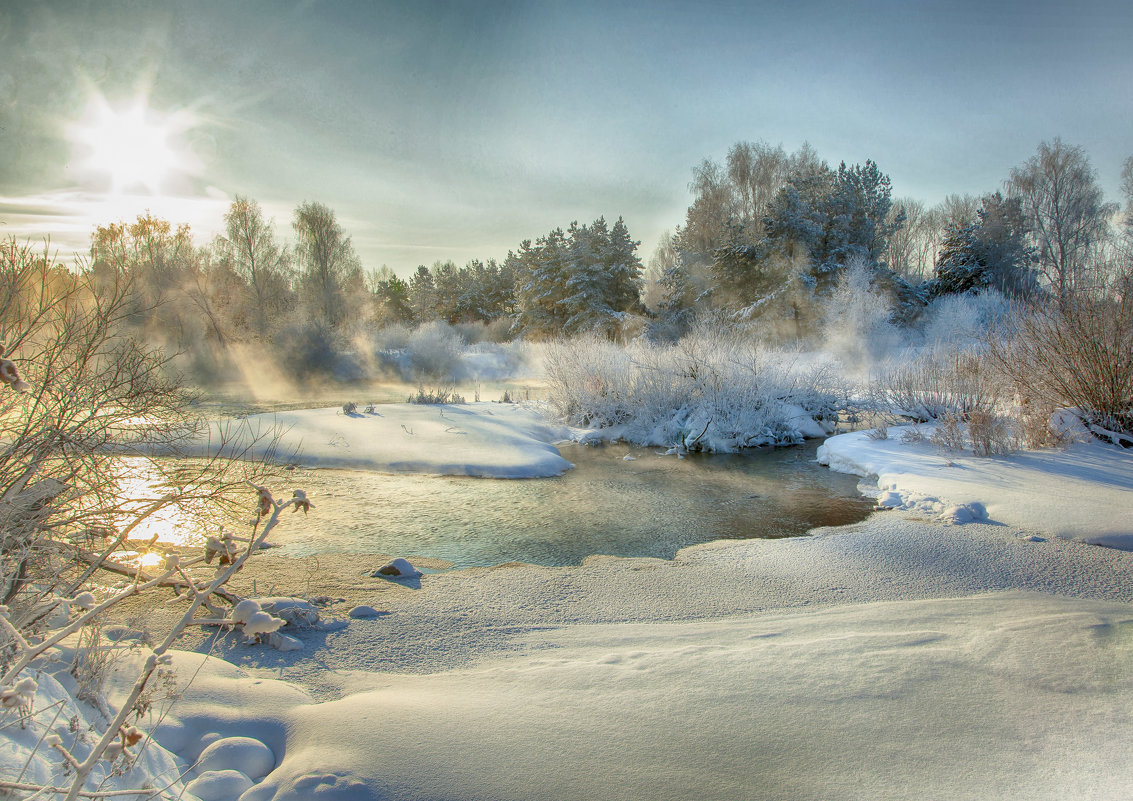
pixel 398 568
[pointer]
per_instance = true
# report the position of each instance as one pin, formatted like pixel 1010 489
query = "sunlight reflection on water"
pixel 652 506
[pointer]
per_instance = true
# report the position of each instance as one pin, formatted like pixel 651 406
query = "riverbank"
pixel 898 658
pixel 909 656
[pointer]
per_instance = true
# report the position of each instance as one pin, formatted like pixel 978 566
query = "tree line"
pixel 766 237
pixel 768 233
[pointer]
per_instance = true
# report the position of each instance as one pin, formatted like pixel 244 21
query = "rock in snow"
pixel 398 568
pixel 363 613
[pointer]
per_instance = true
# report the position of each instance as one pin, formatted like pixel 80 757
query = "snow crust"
pixel 1082 492
pixel 492 440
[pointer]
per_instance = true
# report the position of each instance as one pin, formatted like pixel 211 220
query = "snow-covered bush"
pixel 714 390
pixel 1076 353
pixel 931 383
pixel 856 325
pixel 75 394
pixel 963 320
pixel 434 351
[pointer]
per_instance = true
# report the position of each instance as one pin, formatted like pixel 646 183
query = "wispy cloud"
pixel 67 218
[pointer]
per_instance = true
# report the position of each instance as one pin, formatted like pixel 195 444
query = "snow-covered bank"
pixel 493 440
pixel 896 659
pixel 899 658
pixel 1084 491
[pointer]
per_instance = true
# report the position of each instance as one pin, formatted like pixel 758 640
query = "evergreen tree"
pixel 989 253
pixel 423 295
pixel 585 279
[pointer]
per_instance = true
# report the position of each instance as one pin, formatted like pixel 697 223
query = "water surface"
pixel 652 506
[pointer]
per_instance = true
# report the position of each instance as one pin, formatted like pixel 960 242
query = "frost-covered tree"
pixel 327 262
pixel 1065 210
pixel 859 216
pixel 423 294
pixel 248 246
pixel 583 280
pixel 730 200
pixel 991 253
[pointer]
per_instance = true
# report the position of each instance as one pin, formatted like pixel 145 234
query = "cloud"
pixel 68 217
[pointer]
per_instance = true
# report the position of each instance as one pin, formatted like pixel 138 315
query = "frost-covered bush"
pixel 931 383
pixel 713 390
pixel 391 337
pixel 434 351
pixel 497 331
pixel 856 325
pixel 957 320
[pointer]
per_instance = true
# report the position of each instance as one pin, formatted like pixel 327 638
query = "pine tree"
pixel 989 253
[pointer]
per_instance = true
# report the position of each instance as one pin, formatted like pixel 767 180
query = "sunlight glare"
pixel 133 146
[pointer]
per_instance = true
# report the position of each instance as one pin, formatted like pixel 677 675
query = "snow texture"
pixel 493 440
pixel 1082 492
pixel 899 658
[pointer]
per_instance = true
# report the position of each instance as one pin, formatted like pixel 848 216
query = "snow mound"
pixel 363 613
pixel 492 440
pixel 398 568
pixel 245 754
pixel 219 785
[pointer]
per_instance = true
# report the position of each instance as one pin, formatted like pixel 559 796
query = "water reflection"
pixel 652 506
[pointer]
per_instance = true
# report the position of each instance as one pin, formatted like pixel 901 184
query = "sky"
pixel 455 130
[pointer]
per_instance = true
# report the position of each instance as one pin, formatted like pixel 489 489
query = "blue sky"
pixel 441 130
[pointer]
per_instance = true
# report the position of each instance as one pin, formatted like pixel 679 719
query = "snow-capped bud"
pixel 53 741
pixel 131 735
pixel 11 376
pixel 84 600
pixel 113 751
pixel 265 500
pixel 172 560
pixel 301 502
pixel 26 686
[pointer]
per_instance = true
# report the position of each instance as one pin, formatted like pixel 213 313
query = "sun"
pixel 133 146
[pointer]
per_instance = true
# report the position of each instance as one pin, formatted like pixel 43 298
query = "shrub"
pixel 990 434
pixel 935 383
pixel 713 390
pixel 77 393
pixel 1075 354
pixel 434 351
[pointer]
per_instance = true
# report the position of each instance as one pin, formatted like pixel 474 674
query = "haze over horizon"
pixel 450 130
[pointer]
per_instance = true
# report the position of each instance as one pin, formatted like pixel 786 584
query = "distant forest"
pixel 766 236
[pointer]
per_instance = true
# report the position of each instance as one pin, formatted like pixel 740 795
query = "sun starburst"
pixel 133 146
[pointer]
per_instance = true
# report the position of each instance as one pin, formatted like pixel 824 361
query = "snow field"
pixel 906 657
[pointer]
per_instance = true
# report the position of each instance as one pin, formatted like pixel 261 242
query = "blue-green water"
pixel 652 506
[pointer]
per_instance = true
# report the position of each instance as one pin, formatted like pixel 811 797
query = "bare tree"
pixel 1065 210
pixel 956 211
pixel 250 247
pixel 84 408
pixel 756 170
pixel 327 260
pixel 664 259
pixel 912 246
